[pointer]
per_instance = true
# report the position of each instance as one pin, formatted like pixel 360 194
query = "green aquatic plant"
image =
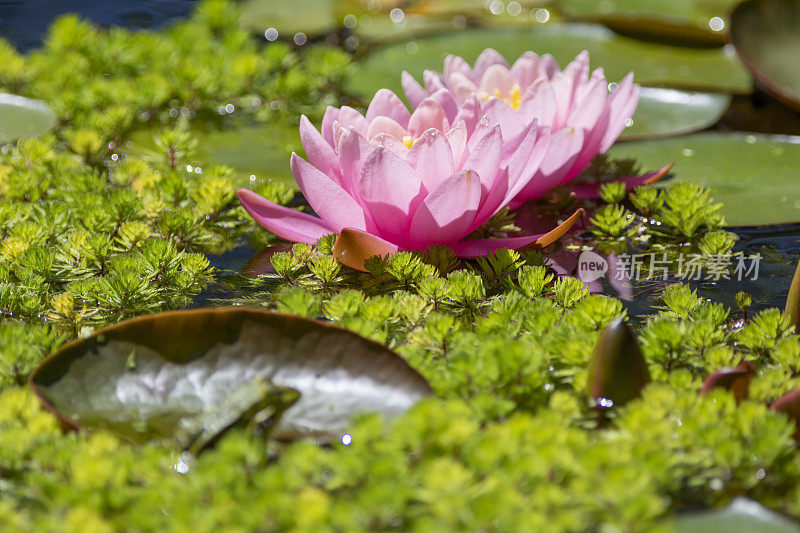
pixel 94 230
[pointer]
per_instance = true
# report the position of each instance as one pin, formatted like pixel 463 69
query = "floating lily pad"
pixel 766 34
pixel 261 150
pixel 694 21
pixel 654 64
pixel 669 112
pixel 22 117
pixel 757 177
pixel 380 28
pixel 174 374
pixel 312 17
pixel 742 516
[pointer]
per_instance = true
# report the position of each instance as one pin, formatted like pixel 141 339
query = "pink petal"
pixel 589 106
pixel 548 67
pixel 391 190
pixel 591 146
pixel 539 102
pixel 433 81
pixel 592 190
pixel 319 152
pixel 487 58
pixel 457 137
pixel 470 113
pixel 428 114
pixel 493 202
pixel 386 103
pixel 565 85
pixel 386 126
pixel 392 143
pixel 453 64
pixel 432 158
pixel 497 77
pixel 331 116
pixel 484 159
pixel 350 118
pixel 525 69
pixel 485 126
pixel 448 103
pixel 564 147
pixel 622 104
pixel 461 86
pixel 330 201
pixel 353 151
pixel 447 212
pixel 414 91
pixel 284 222
pixel 511 123
pixel 528 156
pixel 578 69
pixel 541 148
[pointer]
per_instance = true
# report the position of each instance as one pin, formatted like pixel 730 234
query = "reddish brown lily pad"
pixel 158 376
pixel 766 34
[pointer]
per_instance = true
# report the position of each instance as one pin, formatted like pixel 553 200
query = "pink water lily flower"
pixel 406 180
pixel 584 117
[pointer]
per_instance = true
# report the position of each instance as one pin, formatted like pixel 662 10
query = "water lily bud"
pixel 735 379
pixel 617 369
pixel 789 404
pixel 793 300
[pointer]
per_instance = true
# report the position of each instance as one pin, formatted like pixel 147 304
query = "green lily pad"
pixel 249 149
pixel 261 150
pixel 312 17
pixel 694 21
pixel 188 375
pixel 742 516
pixel 668 112
pixel 757 177
pixel 380 28
pixel 22 117
pixel 766 34
pixel 653 64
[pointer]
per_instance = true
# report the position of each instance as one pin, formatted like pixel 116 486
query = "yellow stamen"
pixel 515 97
pixel 408 141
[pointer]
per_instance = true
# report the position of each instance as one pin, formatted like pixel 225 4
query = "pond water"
pixel 24 22
pixel 778 246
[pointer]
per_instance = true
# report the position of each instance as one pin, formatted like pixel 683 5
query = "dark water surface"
pixel 24 22
pixel 779 247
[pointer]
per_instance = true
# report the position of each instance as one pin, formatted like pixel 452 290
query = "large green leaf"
pixel 757 177
pixel 261 150
pixel 741 516
pixel 187 375
pixel 312 17
pixel 669 112
pixel 702 21
pixel 766 34
pixel 22 117
pixel 653 64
